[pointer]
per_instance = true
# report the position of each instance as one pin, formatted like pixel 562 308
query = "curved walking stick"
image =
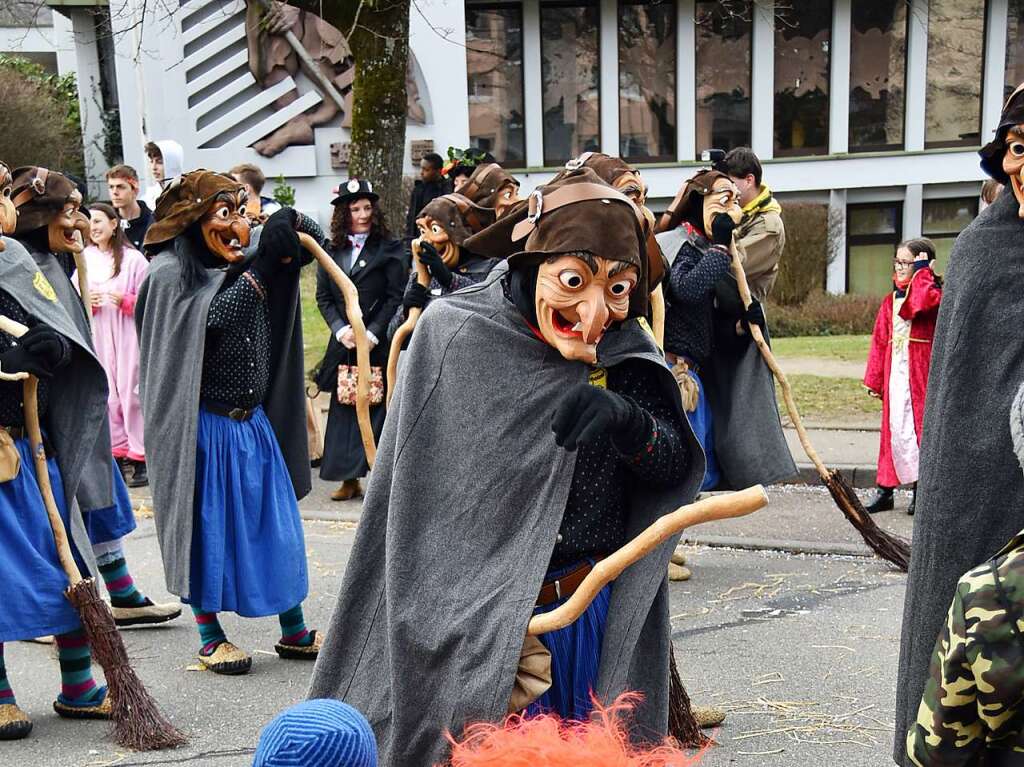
pixel 83 284
pixel 709 509
pixel 406 328
pixel 889 547
pixel 355 319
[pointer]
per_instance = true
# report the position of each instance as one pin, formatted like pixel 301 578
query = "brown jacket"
pixel 760 239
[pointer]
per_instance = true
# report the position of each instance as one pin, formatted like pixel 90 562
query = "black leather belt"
pixel 227 411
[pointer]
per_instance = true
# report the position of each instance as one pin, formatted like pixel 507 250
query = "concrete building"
pixel 874 108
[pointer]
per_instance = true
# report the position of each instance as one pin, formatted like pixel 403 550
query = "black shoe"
pixel 882 500
pixel 139 477
pixel 913 502
pixel 124 465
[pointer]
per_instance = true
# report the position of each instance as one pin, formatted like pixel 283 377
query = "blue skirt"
pixel 704 430
pixel 34 582
pixel 248 550
pixel 575 657
pixel 115 521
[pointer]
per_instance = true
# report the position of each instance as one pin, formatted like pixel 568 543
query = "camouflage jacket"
pixel 974 696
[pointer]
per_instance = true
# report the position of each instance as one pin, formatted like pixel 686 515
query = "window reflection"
pixel 872 235
pixel 942 221
pixel 956 40
pixel 802 36
pixel 723 75
pixel 1014 46
pixel 494 60
pixel 570 67
pixel 878 62
pixel 647 80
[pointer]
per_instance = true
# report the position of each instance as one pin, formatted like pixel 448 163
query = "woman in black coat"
pixel 364 248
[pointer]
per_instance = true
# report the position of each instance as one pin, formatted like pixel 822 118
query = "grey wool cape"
pixel 970 490
pixel 458 527
pixel 172 336
pixel 77 415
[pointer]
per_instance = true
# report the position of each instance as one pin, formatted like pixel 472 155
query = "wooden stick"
pixel 715 507
pixel 83 284
pixel 658 316
pixel 406 328
pixel 355 319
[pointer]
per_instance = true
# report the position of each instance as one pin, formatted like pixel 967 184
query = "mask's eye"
pixel 571 279
pixel 621 288
pixel 223 213
pixel 7 191
pixel 507 194
pixel 1017 149
pixel 436 228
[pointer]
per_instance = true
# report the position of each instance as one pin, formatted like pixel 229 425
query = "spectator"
pixel 760 236
pixel 166 162
pixel 123 185
pixel 252 178
pixel 116 271
pixel 898 363
pixel 317 733
pixel 430 184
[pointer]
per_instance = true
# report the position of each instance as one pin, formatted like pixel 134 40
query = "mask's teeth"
pixel 577 328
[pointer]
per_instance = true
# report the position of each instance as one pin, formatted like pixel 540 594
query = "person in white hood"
pixel 166 163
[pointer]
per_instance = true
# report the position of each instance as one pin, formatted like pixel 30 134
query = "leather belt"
pixel 564 587
pixel 227 411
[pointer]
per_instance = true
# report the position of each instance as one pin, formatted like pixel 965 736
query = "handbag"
pixel 10 460
pixel 348 383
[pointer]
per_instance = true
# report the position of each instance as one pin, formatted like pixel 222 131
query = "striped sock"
pixel 6 693
pixel 76 683
pixel 210 633
pixel 119 581
pixel 293 628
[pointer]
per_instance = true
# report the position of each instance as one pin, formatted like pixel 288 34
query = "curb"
pixel 862 476
pixel 785 545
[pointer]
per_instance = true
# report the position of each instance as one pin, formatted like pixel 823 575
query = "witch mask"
pixel 69 227
pixel 434 232
pixel 578 298
pixel 225 227
pixel 1013 164
pixel 8 213
pixel 723 197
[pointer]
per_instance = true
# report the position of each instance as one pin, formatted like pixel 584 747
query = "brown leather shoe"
pixel 349 489
pixel 14 723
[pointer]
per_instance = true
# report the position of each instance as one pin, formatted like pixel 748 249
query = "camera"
pixel 713 156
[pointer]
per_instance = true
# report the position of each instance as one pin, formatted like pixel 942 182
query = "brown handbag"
pixel 10 460
pixel 348 384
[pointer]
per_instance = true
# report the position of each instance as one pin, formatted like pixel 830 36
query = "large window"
pixel 1014 46
pixel 956 41
pixel 802 35
pixel 943 220
pixel 494 60
pixel 723 76
pixel 878 63
pixel 873 232
pixel 647 80
pixel 570 67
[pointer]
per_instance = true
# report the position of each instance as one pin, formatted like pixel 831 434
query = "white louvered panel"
pixel 226 91
pixel 279 118
pixel 221 70
pixel 216 45
pixel 218 17
pixel 262 99
pixel 192 7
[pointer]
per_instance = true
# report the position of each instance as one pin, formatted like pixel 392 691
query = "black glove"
pixel 416 297
pixel 588 412
pixel 754 315
pixel 278 242
pixel 41 351
pixel 430 258
pixel 721 229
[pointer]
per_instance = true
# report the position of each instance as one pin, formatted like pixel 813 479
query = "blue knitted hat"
pixel 317 733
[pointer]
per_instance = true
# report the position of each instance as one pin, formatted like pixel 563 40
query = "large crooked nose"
pixel 593 316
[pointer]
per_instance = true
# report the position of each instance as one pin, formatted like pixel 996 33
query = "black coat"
pixel 422 193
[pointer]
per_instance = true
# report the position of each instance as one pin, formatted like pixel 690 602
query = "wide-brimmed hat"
pixel 992 153
pixel 186 200
pixel 38 194
pixel 458 215
pixel 486 182
pixel 355 189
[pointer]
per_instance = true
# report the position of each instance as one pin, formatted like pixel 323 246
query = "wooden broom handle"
pixel 406 328
pixel 658 316
pixel 83 284
pixel 35 440
pixel 355 319
pixel 709 509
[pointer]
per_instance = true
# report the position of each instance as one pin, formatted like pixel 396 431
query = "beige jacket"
pixel 760 239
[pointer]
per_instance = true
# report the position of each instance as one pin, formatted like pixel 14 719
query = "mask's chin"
pixel 225 246
pixel 565 334
pixel 1017 184
pixel 449 253
pixel 65 240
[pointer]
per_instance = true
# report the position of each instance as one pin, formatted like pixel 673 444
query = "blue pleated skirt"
pixel 704 430
pixel 115 521
pixel 575 656
pixel 33 581
pixel 248 550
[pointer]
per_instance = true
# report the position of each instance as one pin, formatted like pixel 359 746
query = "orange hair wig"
pixel 548 741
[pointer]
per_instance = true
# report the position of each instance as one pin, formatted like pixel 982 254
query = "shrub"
pixel 824 314
pixel 805 258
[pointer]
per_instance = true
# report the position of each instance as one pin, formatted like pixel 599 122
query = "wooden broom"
pixel 137 721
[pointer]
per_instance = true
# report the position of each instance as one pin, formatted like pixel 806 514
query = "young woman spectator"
pixel 897 371
pixel 361 245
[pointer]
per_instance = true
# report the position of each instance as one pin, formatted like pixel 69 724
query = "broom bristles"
pixel 137 721
pixel 889 547
pixel 682 725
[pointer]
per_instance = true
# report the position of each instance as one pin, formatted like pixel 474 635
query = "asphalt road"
pixel 801 649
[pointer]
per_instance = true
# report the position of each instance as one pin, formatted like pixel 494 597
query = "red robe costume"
pixel 897 451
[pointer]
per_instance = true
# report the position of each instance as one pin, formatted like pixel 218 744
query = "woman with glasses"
pixel 897 371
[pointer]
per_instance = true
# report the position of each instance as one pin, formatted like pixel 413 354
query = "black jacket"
pixel 422 193
pixel 690 298
pixel 379 275
pixel 135 229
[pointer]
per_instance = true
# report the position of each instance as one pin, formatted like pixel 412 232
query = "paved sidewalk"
pixel 854 452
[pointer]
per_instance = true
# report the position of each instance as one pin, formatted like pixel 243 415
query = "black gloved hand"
pixel 278 243
pixel 754 315
pixel 588 412
pixel 416 297
pixel 431 259
pixel 41 351
pixel 721 229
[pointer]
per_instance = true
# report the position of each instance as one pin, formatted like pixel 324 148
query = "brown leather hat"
pixel 459 216
pixel 486 182
pixel 186 200
pixel 38 194
pixel 607 168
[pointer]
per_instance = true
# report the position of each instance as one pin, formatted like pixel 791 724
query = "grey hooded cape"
pixel 77 415
pixel 458 526
pixel 970 498
pixel 172 335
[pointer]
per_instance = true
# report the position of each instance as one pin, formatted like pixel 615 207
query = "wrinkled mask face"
pixel 69 227
pixel 578 298
pixel 1013 164
pixel 723 198
pixel 631 185
pixel 433 232
pixel 225 228
pixel 8 213
pixel 508 196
